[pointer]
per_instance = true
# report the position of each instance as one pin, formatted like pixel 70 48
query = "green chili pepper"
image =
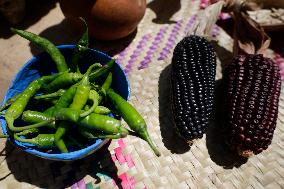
pixel 67 114
pixel 98 110
pixel 102 110
pixel 101 71
pixel 104 123
pixel 80 50
pixel 60 131
pixel 9 102
pixel 83 91
pixel 80 99
pixel 56 94
pixel 41 140
pixel 32 131
pixel 132 118
pixel 65 80
pixel 106 85
pixel 64 101
pixel 93 96
pixel 37 117
pixel 46 45
pixel 61 145
pixel 17 108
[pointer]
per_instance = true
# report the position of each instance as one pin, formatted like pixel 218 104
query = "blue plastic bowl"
pixel 42 65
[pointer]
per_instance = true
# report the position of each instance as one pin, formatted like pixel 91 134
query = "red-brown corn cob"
pixel 252 89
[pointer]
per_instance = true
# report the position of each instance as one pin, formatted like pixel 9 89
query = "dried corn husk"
pixel 206 19
pixel 268 13
pixel 249 36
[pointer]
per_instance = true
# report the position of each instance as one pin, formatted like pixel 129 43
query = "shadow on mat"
pixel 58 174
pixel 35 10
pixel 164 10
pixel 223 54
pixel 170 138
pixel 218 150
pixel 66 33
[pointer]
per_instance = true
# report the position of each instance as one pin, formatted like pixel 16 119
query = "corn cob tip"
pixel 189 142
pixel 245 153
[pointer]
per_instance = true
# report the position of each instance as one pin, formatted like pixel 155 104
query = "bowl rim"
pixel 75 155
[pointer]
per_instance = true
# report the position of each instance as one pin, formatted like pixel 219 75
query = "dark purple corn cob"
pixel 193 83
pixel 252 89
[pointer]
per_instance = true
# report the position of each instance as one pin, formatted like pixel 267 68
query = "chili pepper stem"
pixel 61 130
pixel 145 135
pixel 10 123
pixel 94 97
pixel 46 45
pixel 9 102
pixel 21 139
pixel 116 136
pixel 58 93
pixel 81 48
pixel 28 132
pixel 104 69
pixel 134 120
pixel 61 146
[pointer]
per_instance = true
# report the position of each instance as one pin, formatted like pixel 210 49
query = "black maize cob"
pixel 252 89
pixel 193 83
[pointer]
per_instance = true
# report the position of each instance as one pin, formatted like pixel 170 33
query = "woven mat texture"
pixel 129 163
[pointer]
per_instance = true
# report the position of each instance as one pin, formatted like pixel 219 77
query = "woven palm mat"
pixel 129 163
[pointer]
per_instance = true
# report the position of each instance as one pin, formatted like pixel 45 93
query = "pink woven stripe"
pixel 121 143
pixel 129 161
pixel 82 184
pixel 113 157
pixel 126 182
pixel 204 4
pixel 119 155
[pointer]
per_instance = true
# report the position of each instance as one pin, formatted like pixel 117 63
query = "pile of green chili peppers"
pixel 76 110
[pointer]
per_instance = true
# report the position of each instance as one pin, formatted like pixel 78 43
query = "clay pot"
pixel 13 10
pixel 107 19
